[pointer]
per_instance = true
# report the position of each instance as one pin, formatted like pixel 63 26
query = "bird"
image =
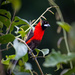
pixel 33 39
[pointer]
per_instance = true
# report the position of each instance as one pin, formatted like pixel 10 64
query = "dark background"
pixel 32 9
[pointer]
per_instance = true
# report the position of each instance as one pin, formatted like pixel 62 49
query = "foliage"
pixel 18 21
pixel 55 58
pixel 64 25
pixel 44 51
pixel 4 39
pixel 16 4
pixel 8 58
pixel 70 71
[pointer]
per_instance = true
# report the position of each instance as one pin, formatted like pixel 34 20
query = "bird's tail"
pixel 11 67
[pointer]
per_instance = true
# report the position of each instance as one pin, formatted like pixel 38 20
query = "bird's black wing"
pixel 29 35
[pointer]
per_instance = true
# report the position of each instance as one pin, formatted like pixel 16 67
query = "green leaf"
pixel 45 51
pixel 64 25
pixel 37 50
pixel 16 4
pixel 5 2
pixel 1 25
pixel 5 13
pixel 20 63
pixel 5 21
pixel 55 58
pixel 18 21
pixel 6 38
pixel 70 72
pixel 59 66
pixel 22 33
pixel 20 48
pixel 25 58
pixel 8 58
pixel 25 27
pixel 5 17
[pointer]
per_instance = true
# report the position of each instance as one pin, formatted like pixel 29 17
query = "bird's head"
pixel 44 24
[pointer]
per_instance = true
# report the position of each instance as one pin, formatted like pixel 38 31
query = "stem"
pixel 64 32
pixel 39 67
pixel 67 46
pixel 35 73
pixel 65 38
pixel 32 56
pixel 11 22
pixel 5 49
pixel 1 34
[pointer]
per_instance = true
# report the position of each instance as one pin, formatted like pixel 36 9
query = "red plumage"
pixel 38 33
pixel 35 37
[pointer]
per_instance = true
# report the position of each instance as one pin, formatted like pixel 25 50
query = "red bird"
pixel 33 39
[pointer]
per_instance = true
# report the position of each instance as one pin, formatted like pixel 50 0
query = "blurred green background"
pixel 32 9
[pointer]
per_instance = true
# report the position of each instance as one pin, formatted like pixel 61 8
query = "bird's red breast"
pixel 38 33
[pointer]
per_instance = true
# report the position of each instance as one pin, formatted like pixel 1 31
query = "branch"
pixel 1 34
pixel 5 49
pixel 32 55
pixel 35 73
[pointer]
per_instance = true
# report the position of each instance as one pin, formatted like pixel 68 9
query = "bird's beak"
pixel 47 25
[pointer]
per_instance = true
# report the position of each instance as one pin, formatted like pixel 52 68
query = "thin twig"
pixel 11 22
pixel 5 49
pixel 35 72
pixel 1 34
pixel 32 55
pixel 40 56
